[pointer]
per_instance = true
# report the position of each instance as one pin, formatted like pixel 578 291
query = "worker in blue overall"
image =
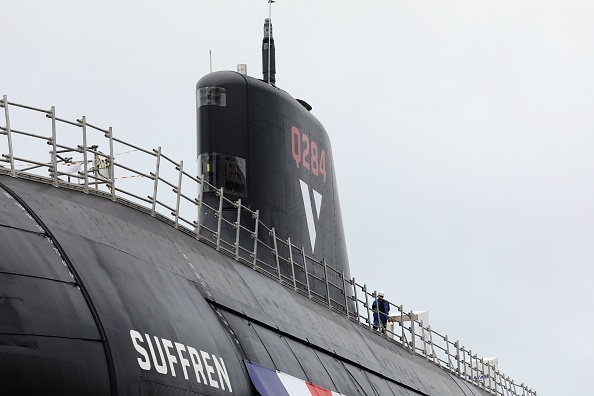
pixel 380 308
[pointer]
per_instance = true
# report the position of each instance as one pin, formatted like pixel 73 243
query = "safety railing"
pixel 194 206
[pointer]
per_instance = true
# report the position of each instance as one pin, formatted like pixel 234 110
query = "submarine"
pixel 148 278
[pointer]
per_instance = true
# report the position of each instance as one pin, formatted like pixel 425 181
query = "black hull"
pixel 64 334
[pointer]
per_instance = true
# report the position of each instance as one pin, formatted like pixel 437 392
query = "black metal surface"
pixel 150 299
pixel 143 275
pixel 31 254
pixel 61 310
pixel 44 308
pixel 54 366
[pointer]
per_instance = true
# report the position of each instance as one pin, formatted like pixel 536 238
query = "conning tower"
pixel 261 145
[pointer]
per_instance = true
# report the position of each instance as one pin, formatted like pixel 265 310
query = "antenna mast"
pixel 268 53
pixel 269 34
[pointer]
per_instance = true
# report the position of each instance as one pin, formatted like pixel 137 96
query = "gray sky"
pixel 462 131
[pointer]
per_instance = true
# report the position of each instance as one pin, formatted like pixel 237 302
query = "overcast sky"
pixel 462 132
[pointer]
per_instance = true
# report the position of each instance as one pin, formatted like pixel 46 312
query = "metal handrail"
pixel 176 208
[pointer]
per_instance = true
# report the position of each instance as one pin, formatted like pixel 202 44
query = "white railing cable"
pixel 226 237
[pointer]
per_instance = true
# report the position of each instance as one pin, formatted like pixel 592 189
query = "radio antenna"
pixel 210 57
pixel 268 61
pixel 269 34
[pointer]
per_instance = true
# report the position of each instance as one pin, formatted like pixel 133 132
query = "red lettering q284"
pixel 305 151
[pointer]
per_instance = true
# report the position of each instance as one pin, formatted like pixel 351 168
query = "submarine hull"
pixel 99 298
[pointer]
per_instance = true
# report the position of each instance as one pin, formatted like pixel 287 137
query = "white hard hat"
pixel 381 293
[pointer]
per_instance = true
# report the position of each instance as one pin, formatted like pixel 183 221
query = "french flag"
pixel 274 383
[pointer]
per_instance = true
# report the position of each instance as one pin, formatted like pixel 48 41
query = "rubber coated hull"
pixel 99 298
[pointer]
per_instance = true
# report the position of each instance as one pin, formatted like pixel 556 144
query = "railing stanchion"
pixel 380 326
pixel 489 377
pixel 9 136
pixel 199 205
pixel 178 190
pixel 468 365
pixel 429 348
pixel 156 184
pixel 463 373
pixel 346 296
pixel 482 377
pixel 425 343
pixel 275 252
pixel 457 345
pixel 238 225
pixel 402 335
pixel 367 307
pixel 54 148
pixel 472 375
pixel 85 154
pixel 292 263
pixel 356 300
pixel 473 366
pixel 474 370
pixel 112 166
pixel 492 379
pixel 220 219
pixel 447 352
pixel 412 333
pixel 255 234
pixel 306 274
pixel 327 283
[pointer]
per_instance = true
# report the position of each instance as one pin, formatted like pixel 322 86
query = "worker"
pixel 381 308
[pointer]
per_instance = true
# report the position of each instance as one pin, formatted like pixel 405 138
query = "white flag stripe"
pixel 294 386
